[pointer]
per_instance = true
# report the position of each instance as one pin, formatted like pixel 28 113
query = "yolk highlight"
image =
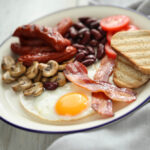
pixel 71 104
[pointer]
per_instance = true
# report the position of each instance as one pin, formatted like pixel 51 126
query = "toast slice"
pixel 135 46
pixel 125 75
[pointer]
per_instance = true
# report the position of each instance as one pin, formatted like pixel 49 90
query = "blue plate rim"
pixel 89 128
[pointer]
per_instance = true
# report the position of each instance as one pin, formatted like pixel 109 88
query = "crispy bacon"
pixel 105 69
pixel 77 73
pixel 100 102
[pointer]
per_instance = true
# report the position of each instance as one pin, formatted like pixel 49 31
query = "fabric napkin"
pixel 131 133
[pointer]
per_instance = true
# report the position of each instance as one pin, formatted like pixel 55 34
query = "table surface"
pixel 12 14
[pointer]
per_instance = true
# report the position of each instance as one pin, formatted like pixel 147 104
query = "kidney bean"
pixel 85 52
pixel 96 34
pixel 73 32
pixel 93 42
pixel 101 31
pixel 82 31
pixel 79 25
pixel 79 46
pixel 67 35
pixel 103 41
pixel 90 57
pixel 88 62
pixel 80 56
pixel 86 38
pixel 78 40
pixel 83 19
pixel 89 21
pixel 100 51
pixel 90 50
pixel 50 85
pixel 94 24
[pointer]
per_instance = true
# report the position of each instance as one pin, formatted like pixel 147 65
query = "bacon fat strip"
pixel 50 36
pixel 44 57
pixel 64 25
pixel 100 102
pixel 32 42
pixel 24 50
pixel 76 73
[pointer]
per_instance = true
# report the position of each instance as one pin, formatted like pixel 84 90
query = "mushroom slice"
pixel 22 84
pixel 32 71
pixel 51 69
pixel 38 77
pixel 62 67
pixel 41 66
pixel 7 62
pixel 61 79
pixel 17 70
pixel 44 79
pixel 53 79
pixel 7 78
pixel 35 90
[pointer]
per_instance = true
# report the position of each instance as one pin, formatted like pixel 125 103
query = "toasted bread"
pixel 125 75
pixel 135 46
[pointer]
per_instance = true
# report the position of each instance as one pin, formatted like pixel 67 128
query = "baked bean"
pixel 90 57
pixel 96 34
pixel 79 46
pixel 83 19
pixel 78 40
pixel 90 50
pixel 100 51
pixel 89 21
pixel 67 35
pixel 80 56
pixel 73 32
pixel 103 41
pixel 101 31
pixel 93 42
pixel 50 85
pixel 79 25
pixel 82 31
pixel 85 52
pixel 88 62
pixel 86 38
pixel 94 24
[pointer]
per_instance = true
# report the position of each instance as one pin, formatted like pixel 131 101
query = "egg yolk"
pixel 71 104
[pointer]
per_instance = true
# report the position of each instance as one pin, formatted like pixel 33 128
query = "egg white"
pixel 43 106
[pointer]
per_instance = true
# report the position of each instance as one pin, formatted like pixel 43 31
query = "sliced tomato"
pixel 114 23
pixel 109 36
pixel 109 51
pixel 131 27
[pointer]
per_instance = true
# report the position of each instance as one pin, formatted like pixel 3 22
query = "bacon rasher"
pixel 77 73
pixel 100 102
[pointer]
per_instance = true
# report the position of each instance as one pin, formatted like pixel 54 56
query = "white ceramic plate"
pixel 10 109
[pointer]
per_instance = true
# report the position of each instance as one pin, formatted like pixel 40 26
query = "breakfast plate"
pixel 11 110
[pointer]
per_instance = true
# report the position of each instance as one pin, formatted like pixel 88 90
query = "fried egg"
pixel 69 102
